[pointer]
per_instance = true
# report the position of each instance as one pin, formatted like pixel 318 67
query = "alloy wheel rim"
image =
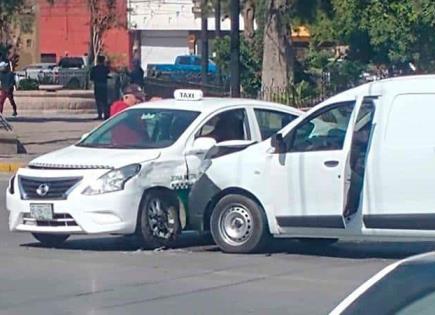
pixel 161 220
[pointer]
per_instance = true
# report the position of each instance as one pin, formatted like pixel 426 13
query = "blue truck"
pixel 185 68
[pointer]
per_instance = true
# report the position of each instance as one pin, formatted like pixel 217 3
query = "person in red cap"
pixel 132 95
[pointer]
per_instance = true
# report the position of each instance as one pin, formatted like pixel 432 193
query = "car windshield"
pixel 141 129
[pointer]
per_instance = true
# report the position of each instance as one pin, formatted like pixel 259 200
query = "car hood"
pixel 74 157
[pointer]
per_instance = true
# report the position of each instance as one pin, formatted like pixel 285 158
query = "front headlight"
pixel 112 181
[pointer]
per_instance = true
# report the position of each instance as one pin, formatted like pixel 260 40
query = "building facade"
pixel 164 29
pixel 64 29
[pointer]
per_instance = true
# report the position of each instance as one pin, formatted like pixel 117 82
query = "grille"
pixel 57 188
pixel 59 219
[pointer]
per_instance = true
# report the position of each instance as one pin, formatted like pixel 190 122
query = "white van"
pixel 360 165
pixel 132 174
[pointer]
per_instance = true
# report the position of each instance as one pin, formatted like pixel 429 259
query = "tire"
pixel 73 84
pixel 238 224
pixel 158 220
pixel 51 240
pixel 318 242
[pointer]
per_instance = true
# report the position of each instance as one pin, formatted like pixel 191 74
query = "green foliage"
pixel 250 64
pixel 28 85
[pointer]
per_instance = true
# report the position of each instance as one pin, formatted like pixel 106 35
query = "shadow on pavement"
pixel 197 243
pixel 351 250
pixel 193 241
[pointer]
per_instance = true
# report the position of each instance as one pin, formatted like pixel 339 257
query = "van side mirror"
pixel 277 142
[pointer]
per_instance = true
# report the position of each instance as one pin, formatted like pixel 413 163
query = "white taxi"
pixel 132 173
pixel 361 165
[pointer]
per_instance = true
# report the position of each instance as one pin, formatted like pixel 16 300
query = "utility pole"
pixel 204 42
pixel 217 25
pixel 217 18
pixel 235 48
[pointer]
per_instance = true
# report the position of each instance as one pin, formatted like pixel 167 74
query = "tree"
pixel 103 17
pixel 14 20
pixel 277 73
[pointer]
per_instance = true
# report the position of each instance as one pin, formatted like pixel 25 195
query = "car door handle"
pixel 331 163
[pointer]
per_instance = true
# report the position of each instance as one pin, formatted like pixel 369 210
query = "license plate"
pixel 42 211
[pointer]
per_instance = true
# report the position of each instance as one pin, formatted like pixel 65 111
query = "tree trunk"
pixel 249 20
pixel 278 60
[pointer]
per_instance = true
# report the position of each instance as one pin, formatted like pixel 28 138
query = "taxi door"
pixel 226 125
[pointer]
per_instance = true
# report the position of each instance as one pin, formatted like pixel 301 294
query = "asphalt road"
pixel 111 275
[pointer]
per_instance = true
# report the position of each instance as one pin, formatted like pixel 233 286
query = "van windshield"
pixel 141 129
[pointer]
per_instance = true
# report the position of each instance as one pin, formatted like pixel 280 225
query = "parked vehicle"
pixel 185 68
pixel 358 166
pixel 35 71
pixel 406 287
pixel 132 174
pixel 71 73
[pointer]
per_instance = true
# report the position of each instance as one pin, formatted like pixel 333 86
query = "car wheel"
pixel 51 240
pixel 239 225
pixel 159 222
pixel 73 84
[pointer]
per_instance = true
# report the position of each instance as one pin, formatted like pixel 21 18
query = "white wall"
pixel 167 15
pixel 162 46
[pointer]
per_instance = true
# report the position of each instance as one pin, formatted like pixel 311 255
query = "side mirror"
pixel 84 136
pixel 277 142
pixel 201 146
pixel 227 147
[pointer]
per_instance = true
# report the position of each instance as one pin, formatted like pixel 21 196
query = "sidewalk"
pixel 45 133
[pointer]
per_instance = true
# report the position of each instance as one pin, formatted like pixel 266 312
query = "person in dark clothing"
pixel 137 74
pixel 7 85
pixel 99 74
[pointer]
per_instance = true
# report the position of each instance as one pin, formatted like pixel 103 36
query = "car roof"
pixel 210 104
pixel 398 85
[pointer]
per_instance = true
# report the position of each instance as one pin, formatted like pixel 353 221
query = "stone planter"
pixel 61 101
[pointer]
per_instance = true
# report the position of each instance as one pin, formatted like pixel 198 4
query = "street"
pixel 112 275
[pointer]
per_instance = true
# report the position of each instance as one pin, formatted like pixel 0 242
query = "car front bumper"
pixel 114 213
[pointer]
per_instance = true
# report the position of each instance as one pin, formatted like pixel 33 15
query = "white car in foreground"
pixel 132 174
pixel 406 287
pixel 361 165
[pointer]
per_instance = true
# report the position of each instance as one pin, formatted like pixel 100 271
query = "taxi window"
pixel 229 125
pixel 270 121
pixel 141 129
pixel 325 131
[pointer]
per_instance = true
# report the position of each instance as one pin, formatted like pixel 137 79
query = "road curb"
pixel 11 167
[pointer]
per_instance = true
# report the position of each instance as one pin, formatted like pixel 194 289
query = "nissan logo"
pixel 42 190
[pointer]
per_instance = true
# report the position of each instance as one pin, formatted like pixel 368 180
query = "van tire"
pixel 158 220
pixel 50 240
pixel 238 224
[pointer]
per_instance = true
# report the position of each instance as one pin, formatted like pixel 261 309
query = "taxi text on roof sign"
pixel 188 95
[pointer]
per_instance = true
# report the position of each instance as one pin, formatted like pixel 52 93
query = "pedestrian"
pixel 132 95
pixel 99 74
pixel 137 74
pixel 7 86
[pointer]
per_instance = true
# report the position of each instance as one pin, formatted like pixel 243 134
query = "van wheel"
pixel 51 240
pixel 159 222
pixel 239 225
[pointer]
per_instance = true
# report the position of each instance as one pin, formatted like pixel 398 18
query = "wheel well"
pixel 219 196
pixel 166 190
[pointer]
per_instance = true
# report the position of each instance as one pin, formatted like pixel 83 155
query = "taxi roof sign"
pixel 188 95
